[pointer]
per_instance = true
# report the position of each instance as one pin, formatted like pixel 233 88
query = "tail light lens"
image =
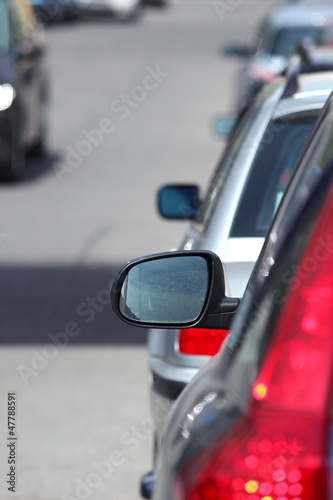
pixel 263 459
pixel 279 450
pixel 198 341
pixel 260 73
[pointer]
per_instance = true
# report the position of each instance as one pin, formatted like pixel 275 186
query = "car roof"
pixel 313 82
pixel 300 15
pixel 311 92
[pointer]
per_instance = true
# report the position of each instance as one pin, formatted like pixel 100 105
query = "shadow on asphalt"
pixel 39 165
pixel 41 305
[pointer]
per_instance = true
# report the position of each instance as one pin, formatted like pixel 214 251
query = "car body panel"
pixel 239 257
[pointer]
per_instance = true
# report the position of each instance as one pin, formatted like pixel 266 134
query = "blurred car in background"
pixel 314 59
pixel 311 2
pixel 256 423
pixel 24 86
pixel 279 36
pixel 233 218
pixel 119 9
pixel 54 10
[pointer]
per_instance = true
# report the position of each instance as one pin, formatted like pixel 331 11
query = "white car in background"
pixel 120 9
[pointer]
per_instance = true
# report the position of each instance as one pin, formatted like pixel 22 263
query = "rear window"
pixel 4 29
pixel 272 167
pixel 221 175
pixel 287 40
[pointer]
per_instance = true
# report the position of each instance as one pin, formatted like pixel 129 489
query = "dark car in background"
pixel 24 86
pixel 47 11
pixel 256 422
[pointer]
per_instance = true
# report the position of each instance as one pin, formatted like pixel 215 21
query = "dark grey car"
pixel 24 86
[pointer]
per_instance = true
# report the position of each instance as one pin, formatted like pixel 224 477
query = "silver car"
pixel 233 218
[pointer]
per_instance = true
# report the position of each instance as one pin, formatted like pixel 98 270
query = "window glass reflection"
pixel 167 290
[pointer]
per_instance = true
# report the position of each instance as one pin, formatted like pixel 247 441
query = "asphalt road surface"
pixel 132 107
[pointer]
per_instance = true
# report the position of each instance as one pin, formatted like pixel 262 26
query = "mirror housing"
pixel 236 50
pixel 178 201
pixel 183 289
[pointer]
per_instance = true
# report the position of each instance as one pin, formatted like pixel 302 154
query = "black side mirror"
pixel 173 290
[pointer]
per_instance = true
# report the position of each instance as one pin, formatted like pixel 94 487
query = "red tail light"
pixel 279 450
pixel 260 73
pixel 200 341
pixel 265 458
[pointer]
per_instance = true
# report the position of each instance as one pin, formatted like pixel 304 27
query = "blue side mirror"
pixel 178 201
pixel 224 125
pixel 236 50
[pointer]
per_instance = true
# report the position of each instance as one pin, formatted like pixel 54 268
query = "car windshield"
pixel 4 29
pixel 276 157
pixel 288 39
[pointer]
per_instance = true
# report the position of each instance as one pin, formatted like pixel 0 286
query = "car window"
pixel 287 40
pixel 317 158
pixel 241 134
pixel 264 37
pixel 272 167
pixel 4 29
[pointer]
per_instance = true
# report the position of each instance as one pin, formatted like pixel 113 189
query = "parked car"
pixel 120 9
pixel 47 11
pixel 256 422
pixel 311 2
pixel 278 36
pixel 24 86
pixel 233 218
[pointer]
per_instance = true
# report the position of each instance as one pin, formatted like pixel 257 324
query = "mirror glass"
pixel 224 125
pixel 179 201
pixel 166 290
